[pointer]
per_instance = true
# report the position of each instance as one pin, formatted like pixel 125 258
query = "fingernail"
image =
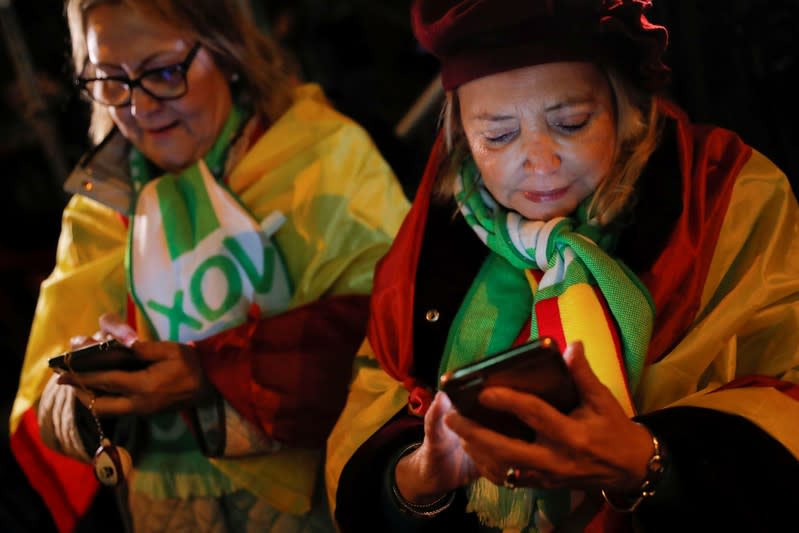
pixel 128 340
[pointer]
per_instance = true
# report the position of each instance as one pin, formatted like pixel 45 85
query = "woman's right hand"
pixel 440 464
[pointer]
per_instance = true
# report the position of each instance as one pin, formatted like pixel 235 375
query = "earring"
pixel 234 77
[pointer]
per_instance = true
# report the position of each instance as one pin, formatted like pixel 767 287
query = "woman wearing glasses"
pixel 225 228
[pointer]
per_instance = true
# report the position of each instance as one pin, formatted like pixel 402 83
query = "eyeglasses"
pixel 162 83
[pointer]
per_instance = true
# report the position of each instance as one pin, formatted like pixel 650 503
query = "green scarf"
pixel 558 275
pixel 198 263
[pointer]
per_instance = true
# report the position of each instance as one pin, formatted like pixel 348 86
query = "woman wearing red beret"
pixel 566 197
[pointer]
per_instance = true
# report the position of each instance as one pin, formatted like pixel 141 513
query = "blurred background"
pixel 732 61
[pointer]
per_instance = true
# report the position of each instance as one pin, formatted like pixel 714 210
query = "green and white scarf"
pixel 558 275
pixel 197 263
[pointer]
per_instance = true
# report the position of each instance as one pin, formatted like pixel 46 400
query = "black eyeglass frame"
pixel 182 67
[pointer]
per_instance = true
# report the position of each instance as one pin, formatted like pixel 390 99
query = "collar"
pixel 103 173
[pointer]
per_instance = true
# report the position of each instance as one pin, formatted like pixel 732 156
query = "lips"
pixel 551 195
pixel 160 129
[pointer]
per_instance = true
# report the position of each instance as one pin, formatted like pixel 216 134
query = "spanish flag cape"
pixel 342 205
pixel 728 273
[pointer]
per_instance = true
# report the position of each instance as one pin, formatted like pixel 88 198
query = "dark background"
pixel 732 61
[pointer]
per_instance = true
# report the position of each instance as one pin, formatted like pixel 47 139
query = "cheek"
pixel 208 91
pixel 123 120
pixel 495 167
pixel 492 170
pixel 204 110
pixel 494 184
pixel 595 161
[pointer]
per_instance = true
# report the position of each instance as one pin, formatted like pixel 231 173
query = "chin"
pixel 167 161
pixel 542 214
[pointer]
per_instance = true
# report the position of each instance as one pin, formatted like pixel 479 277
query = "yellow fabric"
pixel 88 280
pixel 598 340
pixel 373 399
pixel 749 318
pixel 343 207
pixel 748 324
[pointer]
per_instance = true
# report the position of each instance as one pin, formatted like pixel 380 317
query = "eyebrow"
pixel 488 117
pixel 141 66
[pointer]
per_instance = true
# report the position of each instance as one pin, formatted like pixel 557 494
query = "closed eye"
pixel 500 139
pixel 573 124
pixel 572 127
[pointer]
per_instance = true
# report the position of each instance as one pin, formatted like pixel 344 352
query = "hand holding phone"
pixel 536 367
pixel 108 355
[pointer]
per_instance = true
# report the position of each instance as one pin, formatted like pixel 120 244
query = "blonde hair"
pixel 221 26
pixel 638 127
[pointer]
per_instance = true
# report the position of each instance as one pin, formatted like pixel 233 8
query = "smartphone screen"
pixel 536 367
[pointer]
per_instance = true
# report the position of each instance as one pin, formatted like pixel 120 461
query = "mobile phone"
pixel 536 367
pixel 108 355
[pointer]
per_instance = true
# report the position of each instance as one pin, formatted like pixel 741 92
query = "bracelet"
pixel 424 510
pixel 654 472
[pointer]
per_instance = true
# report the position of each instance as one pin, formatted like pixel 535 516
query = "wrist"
pixel 410 481
pixel 415 500
pixel 654 472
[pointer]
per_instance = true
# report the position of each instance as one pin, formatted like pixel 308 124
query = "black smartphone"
pixel 536 367
pixel 108 355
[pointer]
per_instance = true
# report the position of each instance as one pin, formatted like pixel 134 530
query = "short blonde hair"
pixel 221 26
pixel 638 127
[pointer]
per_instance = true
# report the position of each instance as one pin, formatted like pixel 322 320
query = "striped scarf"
pixel 557 275
pixel 198 263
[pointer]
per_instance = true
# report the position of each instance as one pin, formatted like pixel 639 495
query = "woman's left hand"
pixel 595 446
pixel 173 380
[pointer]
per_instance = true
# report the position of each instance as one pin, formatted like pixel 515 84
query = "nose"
pixel 541 156
pixel 141 103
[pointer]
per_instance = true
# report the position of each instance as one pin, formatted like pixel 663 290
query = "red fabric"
pixel 711 159
pixel 476 38
pixel 390 329
pixel 130 315
pixel 785 387
pixel 66 485
pixel 289 374
pixel 547 315
pixel 608 520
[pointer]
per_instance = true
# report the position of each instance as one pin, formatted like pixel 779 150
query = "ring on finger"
pixel 512 476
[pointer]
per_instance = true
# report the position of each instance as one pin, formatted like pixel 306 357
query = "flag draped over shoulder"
pixel 728 271
pixel 342 206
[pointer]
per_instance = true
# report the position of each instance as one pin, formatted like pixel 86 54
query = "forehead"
pixel 537 87
pixel 118 34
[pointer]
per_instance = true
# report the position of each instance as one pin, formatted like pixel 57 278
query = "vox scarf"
pixel 198 264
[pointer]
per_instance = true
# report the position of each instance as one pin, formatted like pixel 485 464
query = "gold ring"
pixel 511 478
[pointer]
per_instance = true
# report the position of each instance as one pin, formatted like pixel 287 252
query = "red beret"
pixel 476 38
